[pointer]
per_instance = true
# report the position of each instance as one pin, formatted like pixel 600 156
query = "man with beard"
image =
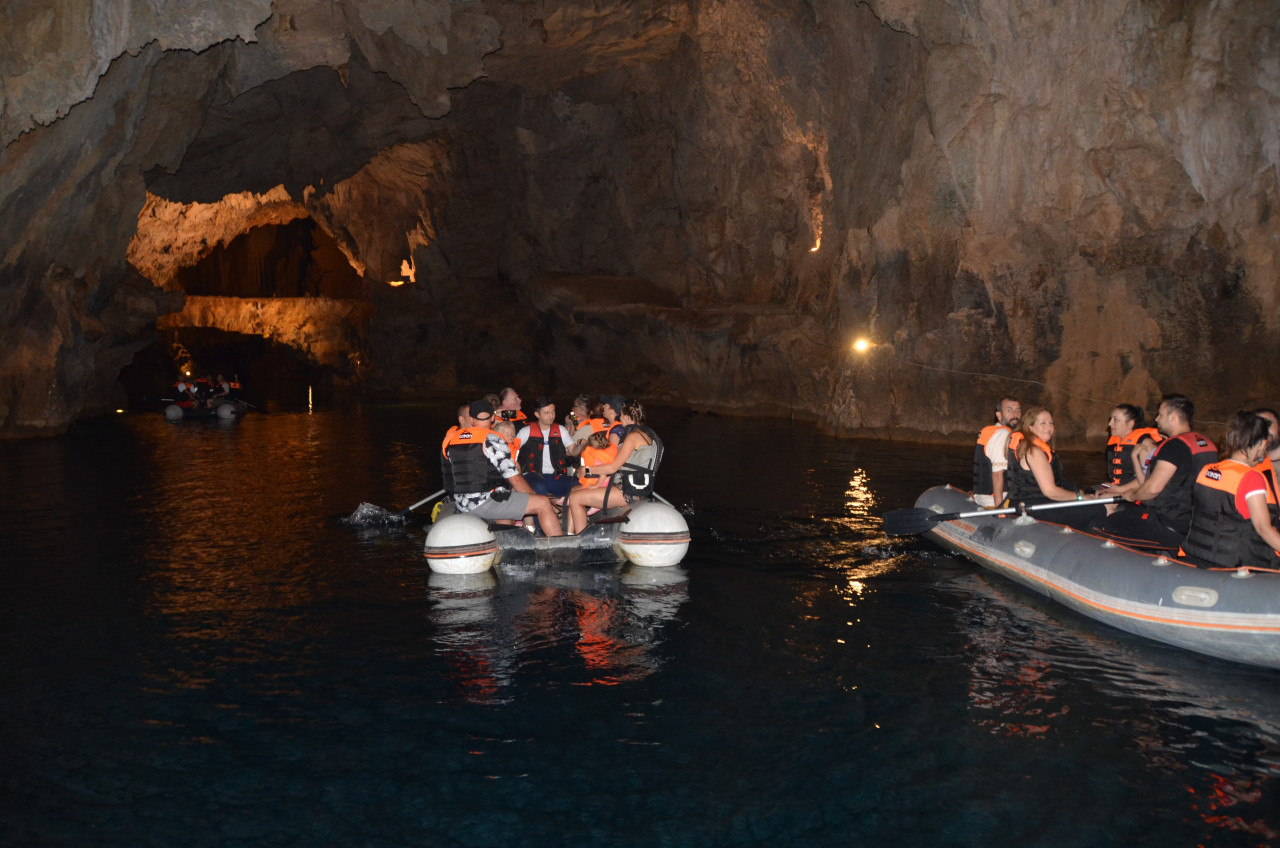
pixel 991 454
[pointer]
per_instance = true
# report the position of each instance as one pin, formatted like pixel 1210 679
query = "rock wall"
pixel 693 201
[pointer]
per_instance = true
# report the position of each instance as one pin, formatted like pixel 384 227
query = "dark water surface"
pixel 193 652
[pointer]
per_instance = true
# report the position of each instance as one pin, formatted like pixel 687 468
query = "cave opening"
pixel 278 308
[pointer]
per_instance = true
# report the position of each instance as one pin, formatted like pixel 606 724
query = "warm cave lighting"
pixel 817 244
pixel 119 412
pixel 408 273
pixel 861 346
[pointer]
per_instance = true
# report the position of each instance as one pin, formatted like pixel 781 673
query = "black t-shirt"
pixel 1173 504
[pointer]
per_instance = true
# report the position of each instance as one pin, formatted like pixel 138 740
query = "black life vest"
pixel 530 456
pixel 1020 483
pixel 463 466
pixel 1120 453
pixel 1173 505
pixel 1219 535
pixel 982 463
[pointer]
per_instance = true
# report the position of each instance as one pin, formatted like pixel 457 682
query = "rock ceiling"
pixel 694 202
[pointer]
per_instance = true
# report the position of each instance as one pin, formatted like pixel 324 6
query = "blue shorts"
pixel 551 485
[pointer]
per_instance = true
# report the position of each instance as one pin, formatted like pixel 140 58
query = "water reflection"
pixel 596 626
pixel 1034 676
pixel 859 499
pixel 463 608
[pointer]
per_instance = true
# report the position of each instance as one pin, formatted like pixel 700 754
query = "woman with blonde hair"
pixel 1035 473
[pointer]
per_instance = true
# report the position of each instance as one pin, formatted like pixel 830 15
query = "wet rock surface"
pixel 695 202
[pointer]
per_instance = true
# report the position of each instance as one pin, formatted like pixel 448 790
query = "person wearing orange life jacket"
pixel 1129 433
pixel 991 455
pixel 188 398
pixel 482 478
pixel 464 420
pixel 1035 473
pixel 510 408
pixel 578 413
pixel 1231 522
pixel 611 406
pixel 1158 514
pixel 632 471
pixel 598 452
pixel 595 422
pixel 546 453
pixel 507 431
pixel 1267 465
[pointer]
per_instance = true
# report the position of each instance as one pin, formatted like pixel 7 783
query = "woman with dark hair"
pixel 1129 434
pixel 1035 473
pixel 1230 516
pixel 631 473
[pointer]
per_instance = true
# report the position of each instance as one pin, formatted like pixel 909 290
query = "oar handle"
pixel 1065 504
pixel 427 499
pixel 952 516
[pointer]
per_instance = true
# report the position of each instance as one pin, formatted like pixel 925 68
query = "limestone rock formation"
pixel 701 201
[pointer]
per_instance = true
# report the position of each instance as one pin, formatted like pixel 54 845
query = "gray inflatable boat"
pixel 1232 614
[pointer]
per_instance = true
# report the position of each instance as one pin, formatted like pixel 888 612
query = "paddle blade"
pixel 909 522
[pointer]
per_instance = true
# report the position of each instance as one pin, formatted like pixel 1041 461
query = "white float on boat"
pixel 461 544
pixel 654 535
pixel 648 534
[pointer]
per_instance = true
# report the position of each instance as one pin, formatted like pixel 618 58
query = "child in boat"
pixel 507 430
pixel 599 451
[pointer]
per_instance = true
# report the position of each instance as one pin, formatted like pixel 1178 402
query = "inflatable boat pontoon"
pixel 647 534
pixel 1231 614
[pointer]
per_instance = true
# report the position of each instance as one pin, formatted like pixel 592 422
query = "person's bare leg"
pixel 540 506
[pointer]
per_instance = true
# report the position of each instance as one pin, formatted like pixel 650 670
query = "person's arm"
pixel 1139 459
pixel 1121 489
pixel 1161 473
pixel 1044 477
pixel 628 447
pixel 997 487
pixel 1260 518
pixel 998 453
pixel 519 484
pixel 571 447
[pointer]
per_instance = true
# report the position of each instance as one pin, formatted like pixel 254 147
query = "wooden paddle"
pixel 915 520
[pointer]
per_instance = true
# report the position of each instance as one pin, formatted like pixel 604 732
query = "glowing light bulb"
pixel 861 346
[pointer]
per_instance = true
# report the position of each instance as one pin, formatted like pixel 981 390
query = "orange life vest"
pixel 1219 534
pixel 592 457
pixel 1120 453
